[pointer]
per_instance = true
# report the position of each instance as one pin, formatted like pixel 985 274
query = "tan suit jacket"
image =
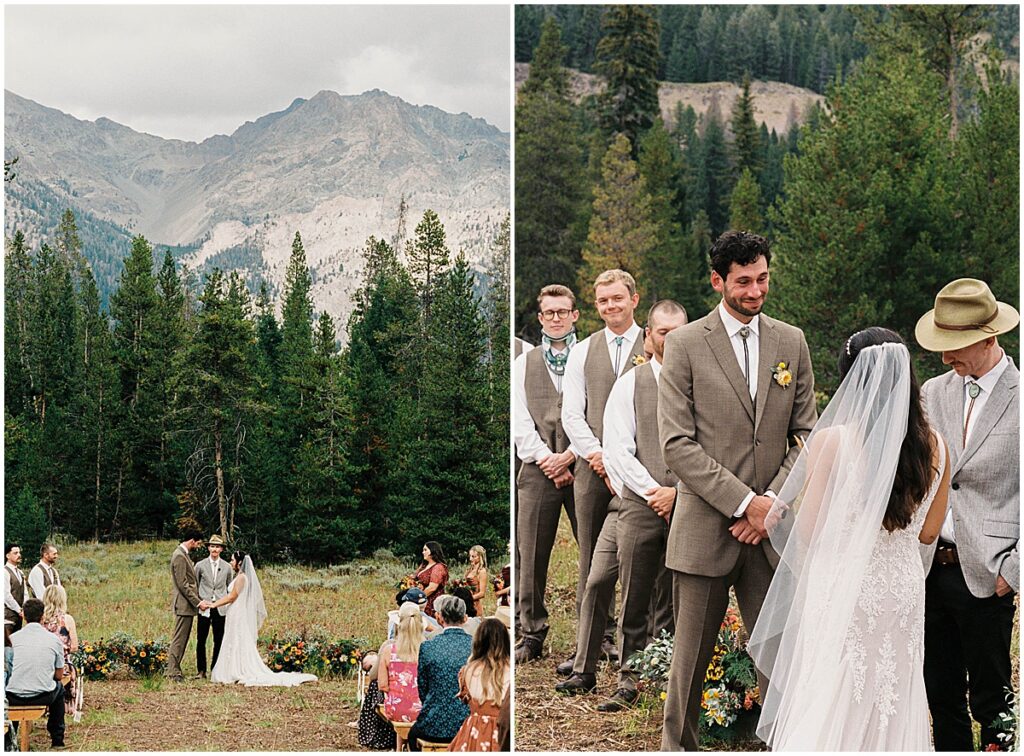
pixel 715 441
pixel 185 596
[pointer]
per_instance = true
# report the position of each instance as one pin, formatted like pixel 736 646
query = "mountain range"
pixel 334 168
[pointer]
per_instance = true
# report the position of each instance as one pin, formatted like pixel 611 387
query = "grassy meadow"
pixel 546 721
pixel 127 587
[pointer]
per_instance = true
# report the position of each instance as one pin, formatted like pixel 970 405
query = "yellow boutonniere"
pixel 782 375
pixel 639 359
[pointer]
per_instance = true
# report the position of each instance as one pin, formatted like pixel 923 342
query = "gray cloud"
pixel 189 72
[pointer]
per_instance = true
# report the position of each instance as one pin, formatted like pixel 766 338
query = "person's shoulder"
pixel 939 380
pixel 782 327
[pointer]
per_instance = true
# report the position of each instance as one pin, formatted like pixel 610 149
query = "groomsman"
pixel 545 481
pixel 212 576
pixel 594 365
pixel 14 587
pixel 44 574
pixel 975 564
pixel 631 545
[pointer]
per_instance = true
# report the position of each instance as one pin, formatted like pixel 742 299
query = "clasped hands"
pixel 761 516
pixel 204 605
pixel 556 468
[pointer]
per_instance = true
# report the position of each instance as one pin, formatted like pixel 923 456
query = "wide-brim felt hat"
pixel 216 540
pixel 965 313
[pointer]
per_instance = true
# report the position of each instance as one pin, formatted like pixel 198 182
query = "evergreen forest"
pixel 193 402
pixel 906 178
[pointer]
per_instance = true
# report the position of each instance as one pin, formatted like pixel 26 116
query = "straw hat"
pixel 965 313
pixel 215 540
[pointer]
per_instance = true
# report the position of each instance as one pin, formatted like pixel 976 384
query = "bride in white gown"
pixel 841 632
pixel 239 660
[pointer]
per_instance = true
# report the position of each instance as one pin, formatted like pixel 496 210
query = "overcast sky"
pixel 188 72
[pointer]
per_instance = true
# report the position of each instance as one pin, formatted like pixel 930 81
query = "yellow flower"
pixel 142 654
pixel 784 378
pixel 639 359
pixel 781 366
pixel 664 695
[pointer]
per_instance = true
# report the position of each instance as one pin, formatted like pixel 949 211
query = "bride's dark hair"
pixel 239 557
pixel 914 471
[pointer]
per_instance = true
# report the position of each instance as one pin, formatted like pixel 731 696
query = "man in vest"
pixel 44 574
pixel 593 367
pixel 545 481
pixel 14 587
pixel 631 546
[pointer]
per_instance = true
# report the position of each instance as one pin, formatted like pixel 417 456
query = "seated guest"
pixel 374 732
pixel 396 676
pixel 38 670
pixel 57 620
pixel 8 652
pixel 441 658
pixel 418 597
pixel 485 683
pixel 472 619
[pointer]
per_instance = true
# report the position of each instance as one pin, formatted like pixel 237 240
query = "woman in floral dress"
pixel 396 672
pixel 484 683
pixel 432 574
pixel 57 620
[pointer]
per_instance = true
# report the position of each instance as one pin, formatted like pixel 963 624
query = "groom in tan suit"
pixel 185 601
pixel 736 389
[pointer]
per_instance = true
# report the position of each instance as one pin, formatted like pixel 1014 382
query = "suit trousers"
pixel 700 603
pixel 54 702
pixel 630 549
pixel 592 498
pixel 176 652
pixel 966 658
pixel 203 625
pixel 539 509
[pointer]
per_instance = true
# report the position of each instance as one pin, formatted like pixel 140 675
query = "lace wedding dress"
pixel 841 632
pixel 239 660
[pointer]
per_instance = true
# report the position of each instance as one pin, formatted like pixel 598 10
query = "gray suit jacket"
pixel 717 444
pixel 984 489
pixel 210 589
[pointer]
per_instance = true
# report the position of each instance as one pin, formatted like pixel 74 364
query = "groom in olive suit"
pixel 736 389
pixel 185 601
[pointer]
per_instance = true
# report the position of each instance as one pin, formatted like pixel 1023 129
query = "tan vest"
pixel 648 442
pixel 544 402
pixel 598 373
pixel 48 580
pixel 17 590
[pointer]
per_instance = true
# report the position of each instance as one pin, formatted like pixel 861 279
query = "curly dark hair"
pixel 740 247
pixel 914 472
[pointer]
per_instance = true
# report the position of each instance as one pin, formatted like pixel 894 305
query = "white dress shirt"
pixel 732 327
pixel 986 383
pixel 36 582
pixel 530 447
pixel 574 389
pixel 9 601
pixel 620 460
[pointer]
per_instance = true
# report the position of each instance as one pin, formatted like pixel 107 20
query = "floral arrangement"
pixel 782 374
pixel 121 653
pixel 731 696
pixel 409 581
pixel 314 654
pixel 1007 725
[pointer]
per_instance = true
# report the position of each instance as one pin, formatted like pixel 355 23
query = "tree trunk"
pixel 99 450
pixel 218 463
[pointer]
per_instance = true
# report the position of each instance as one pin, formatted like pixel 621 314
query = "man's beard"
pixel 735 304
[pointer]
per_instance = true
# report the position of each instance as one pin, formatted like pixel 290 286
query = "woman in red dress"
pixel 432 575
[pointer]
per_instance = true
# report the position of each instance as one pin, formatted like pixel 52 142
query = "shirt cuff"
pixel 744 504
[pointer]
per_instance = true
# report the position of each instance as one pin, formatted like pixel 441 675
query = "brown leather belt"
pixel 946 553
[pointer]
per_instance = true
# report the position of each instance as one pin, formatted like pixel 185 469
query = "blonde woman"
pixel 484 683
pixel 397 675
pixel 57 620
pixel 476 576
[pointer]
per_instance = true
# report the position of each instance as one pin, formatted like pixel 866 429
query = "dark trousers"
pixel 966 658
pixel 13 618
pixel 216 620
pixel 415 733
pixel 54 701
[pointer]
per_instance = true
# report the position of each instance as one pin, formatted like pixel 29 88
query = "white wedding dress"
pixel 239 660
pixel 841 633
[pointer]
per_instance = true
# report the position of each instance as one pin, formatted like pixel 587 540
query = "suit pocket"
pixel 1001 529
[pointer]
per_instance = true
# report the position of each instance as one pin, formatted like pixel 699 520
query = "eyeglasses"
pixel 552 314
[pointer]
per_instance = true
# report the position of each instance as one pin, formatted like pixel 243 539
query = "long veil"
pixel 254 608
pixel 837 495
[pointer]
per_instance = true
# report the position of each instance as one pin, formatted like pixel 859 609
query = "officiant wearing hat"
pixel 213 575
pixel 974 566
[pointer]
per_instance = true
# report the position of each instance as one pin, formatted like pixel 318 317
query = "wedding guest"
pixel 484 685
pixel 472 618
pixel 8 652
pixel 397 665
pixel 545 480
pixel 432 574
pixel 57 620
pixel 373 731
pixel 593 367
pixel 975 567
pixel 44 574
pixel 14 587
pixel 38 671
pixel 476 576
pixel 440 660
pixel 418 597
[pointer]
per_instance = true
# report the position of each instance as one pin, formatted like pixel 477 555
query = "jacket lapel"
pixel 718 340
pixel 768 350
pixel 994 408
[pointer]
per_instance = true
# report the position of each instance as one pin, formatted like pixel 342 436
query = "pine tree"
pixel 19 383
pixel 746 140
pixel 428 258
pixel 745 205
pixel 660 163
pixel 628 59
pixel 296 349
pixel 25 522
pixel 623 233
